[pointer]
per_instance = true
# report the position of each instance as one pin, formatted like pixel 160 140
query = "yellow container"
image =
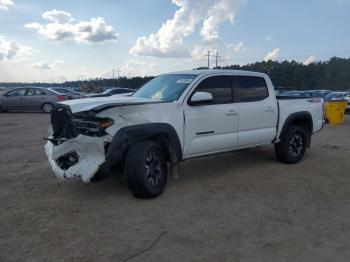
pixel 335 112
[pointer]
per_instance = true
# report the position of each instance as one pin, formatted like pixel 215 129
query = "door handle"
pixel 269 109
pixel 231 113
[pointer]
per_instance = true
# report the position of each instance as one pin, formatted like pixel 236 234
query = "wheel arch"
pixel 162 133
pixel 303 119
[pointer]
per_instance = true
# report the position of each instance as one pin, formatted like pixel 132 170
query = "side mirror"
pixel 201 98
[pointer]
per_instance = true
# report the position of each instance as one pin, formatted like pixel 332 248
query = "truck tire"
pixel 292 147
pixel 146 169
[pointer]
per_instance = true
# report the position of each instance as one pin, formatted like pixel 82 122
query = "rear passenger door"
pixel 211 127
pixel 33 99
pixel 258 111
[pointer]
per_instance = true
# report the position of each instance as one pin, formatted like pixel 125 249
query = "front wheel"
pixel 292 147
pixel 146 169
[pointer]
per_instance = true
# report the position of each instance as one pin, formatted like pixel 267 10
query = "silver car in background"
pixel 30 98
pixel 69 93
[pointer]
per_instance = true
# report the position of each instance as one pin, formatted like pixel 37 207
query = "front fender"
pixel 130 135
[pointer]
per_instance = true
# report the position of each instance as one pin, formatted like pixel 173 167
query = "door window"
pixel 39 92
pixel 252 88
pixel 219 87
pixel 17 92
pixel 31 92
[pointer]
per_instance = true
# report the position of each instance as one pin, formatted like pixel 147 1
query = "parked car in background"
pixel 302 94
pixel 337 96
pixel 30 98
pixel 69 93
pixel 322 93
pixel 114 91
pixel 347 98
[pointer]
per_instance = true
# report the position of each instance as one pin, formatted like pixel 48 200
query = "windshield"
pixel 166 88
pixel 107 91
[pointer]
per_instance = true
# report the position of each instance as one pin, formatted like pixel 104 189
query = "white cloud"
pixel 63 27
pixel 5 4
pixel 217 13
pixel 57 16
pixel 235 47
pixel 135 67
pixel 273 55
pixel 169 40
pixel 43 65
pixel 310 60
pixel 8 49
pixel 199 52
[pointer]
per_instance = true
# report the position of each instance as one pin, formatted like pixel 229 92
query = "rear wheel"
pixel 292 147
pixel 47 107
pixel 146 169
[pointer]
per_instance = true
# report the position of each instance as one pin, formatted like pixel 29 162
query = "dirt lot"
pixel 242 206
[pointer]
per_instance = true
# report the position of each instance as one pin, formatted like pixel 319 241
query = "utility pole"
pixel 216 59
pixel 208 55
pixel 118 73
pixel 113 76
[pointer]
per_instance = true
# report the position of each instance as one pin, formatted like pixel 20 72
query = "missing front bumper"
pixel 78 157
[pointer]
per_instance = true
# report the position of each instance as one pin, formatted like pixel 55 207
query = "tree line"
pixel 333 74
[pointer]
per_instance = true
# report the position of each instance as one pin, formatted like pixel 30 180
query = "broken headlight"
pixel 92 126
pixel 66 125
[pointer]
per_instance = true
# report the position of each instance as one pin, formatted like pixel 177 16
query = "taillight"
pixel 61 97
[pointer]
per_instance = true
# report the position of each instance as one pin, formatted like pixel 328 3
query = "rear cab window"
pixel 251 88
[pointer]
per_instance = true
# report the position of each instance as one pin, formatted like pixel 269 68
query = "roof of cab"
pixel 218 71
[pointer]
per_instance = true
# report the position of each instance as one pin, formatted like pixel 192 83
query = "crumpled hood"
pixel 97 103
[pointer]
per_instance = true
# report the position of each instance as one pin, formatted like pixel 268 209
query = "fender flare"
pixel 130 135
pixel 295 117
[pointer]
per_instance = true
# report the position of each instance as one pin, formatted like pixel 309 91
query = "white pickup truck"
pixel 175 117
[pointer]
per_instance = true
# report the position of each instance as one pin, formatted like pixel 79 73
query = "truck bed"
pixel 287 106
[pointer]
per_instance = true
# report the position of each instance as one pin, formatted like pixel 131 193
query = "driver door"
pixel 14 99
pixel 211 127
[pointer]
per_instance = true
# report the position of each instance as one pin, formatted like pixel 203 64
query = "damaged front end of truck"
pixel 77 144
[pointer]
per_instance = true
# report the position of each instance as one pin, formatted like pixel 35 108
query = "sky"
pixel 55 41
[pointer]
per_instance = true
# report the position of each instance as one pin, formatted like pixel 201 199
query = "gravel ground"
pixel 241 206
